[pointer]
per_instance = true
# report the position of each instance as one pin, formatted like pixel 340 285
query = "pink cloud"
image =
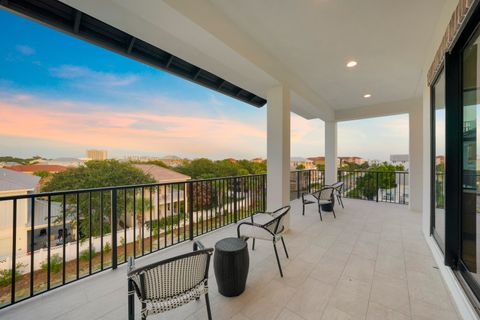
pixel 142 131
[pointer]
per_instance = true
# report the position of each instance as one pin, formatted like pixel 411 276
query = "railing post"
pixel 235 218
pixel 376 185
pixel 298 184
pixel 309 181
pixel 114 228
pixel 190 208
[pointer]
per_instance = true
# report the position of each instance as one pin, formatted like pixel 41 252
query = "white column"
pixel 415 161
pixel 278 147
pixel 330 152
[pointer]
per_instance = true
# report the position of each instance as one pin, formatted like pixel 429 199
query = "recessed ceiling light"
pixel 351 64
pixel 368 95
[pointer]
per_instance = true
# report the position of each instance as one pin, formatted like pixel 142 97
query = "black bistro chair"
pixel 324 196
pixel 171 283
pixel 338 186
pixel 266 226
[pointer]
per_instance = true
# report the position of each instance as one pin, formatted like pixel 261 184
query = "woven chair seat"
pixel 163 305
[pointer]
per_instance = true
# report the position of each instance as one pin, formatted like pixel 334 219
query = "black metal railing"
pixel 379 186
pixel 59 237
pixel 56 238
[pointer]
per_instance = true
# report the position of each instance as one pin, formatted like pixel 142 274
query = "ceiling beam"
pixel 378 110
pixel 78 19
pixel 130 45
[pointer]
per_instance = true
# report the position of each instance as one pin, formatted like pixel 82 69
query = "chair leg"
pixel 278 260
pixel 303 205
pixel 334 213
pixel 144 305
pixel 209 312
pixel 253 244
pixel 131 301
pixel 284 247
pixel 320 212
pixel 339 198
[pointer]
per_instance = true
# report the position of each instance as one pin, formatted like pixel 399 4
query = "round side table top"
pixel 230 245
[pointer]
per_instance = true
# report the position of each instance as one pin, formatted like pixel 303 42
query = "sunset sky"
pixel 60 96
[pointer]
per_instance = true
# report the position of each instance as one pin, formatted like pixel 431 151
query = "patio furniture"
pixel 323 197
pixel 266 226
pixel 338 186
pixel 171 283
pixel 230 263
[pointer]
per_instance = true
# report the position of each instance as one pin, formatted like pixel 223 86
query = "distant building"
pixel 357 160
pixel 8 164
pixel 317 160
pixel 258 160
pixel 297 161
pixel 170 196
pixel 66 162
pixel 440 160
pixel 162 175
pixel 142 158
pixel 97 154
pixel 399 159
pixel 15 183
pixel 231 160
pixel 375 162
pixel 172 161
pixel 32 168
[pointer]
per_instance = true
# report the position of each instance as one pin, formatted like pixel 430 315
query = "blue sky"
pixel 60 95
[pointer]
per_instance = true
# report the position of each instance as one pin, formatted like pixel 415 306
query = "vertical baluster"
pixel 172 210
pixel 101 230
pixel 134 222
pixel 178 213
pixel 49 234
pixel 125 240
pixel 113 227
pixel 90 233
pixel 142 230
pixel 14 251
pixel 32 244
pixel 158 217
pixel 165 220
pixel 64 237
pixel 151 221
pixel 190 209
pixel 77 244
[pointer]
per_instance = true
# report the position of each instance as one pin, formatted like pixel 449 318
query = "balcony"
pixel 371 262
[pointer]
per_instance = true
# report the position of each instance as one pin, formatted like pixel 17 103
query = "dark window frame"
pixel 433 154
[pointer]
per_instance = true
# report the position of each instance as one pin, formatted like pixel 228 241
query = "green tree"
pixel 42 174
pixel 376 177
pixel 96 174
pixel 300 167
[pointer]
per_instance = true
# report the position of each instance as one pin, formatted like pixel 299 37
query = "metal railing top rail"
pixel 97 189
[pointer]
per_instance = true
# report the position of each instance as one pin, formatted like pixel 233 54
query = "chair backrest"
pixel 326 193
pixel 338 186
pixel 171 277
pixel 277 224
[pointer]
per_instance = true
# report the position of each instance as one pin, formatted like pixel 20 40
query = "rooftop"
pixel 160 174
pixel 13 180
pixel 37 167
pixel 372 262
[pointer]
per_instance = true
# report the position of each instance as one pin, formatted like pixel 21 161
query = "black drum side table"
pixel 230 262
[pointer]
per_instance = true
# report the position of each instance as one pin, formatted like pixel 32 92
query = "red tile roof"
pixel 37 167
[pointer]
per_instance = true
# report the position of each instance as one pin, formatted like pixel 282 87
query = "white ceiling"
pixel 315 39
pixel 303 44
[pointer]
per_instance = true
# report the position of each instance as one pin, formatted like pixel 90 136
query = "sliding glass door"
pixel 470 213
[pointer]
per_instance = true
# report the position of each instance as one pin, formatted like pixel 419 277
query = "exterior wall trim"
pixel 454 28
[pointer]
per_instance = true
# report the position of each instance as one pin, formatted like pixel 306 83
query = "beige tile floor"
pixel 372 262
